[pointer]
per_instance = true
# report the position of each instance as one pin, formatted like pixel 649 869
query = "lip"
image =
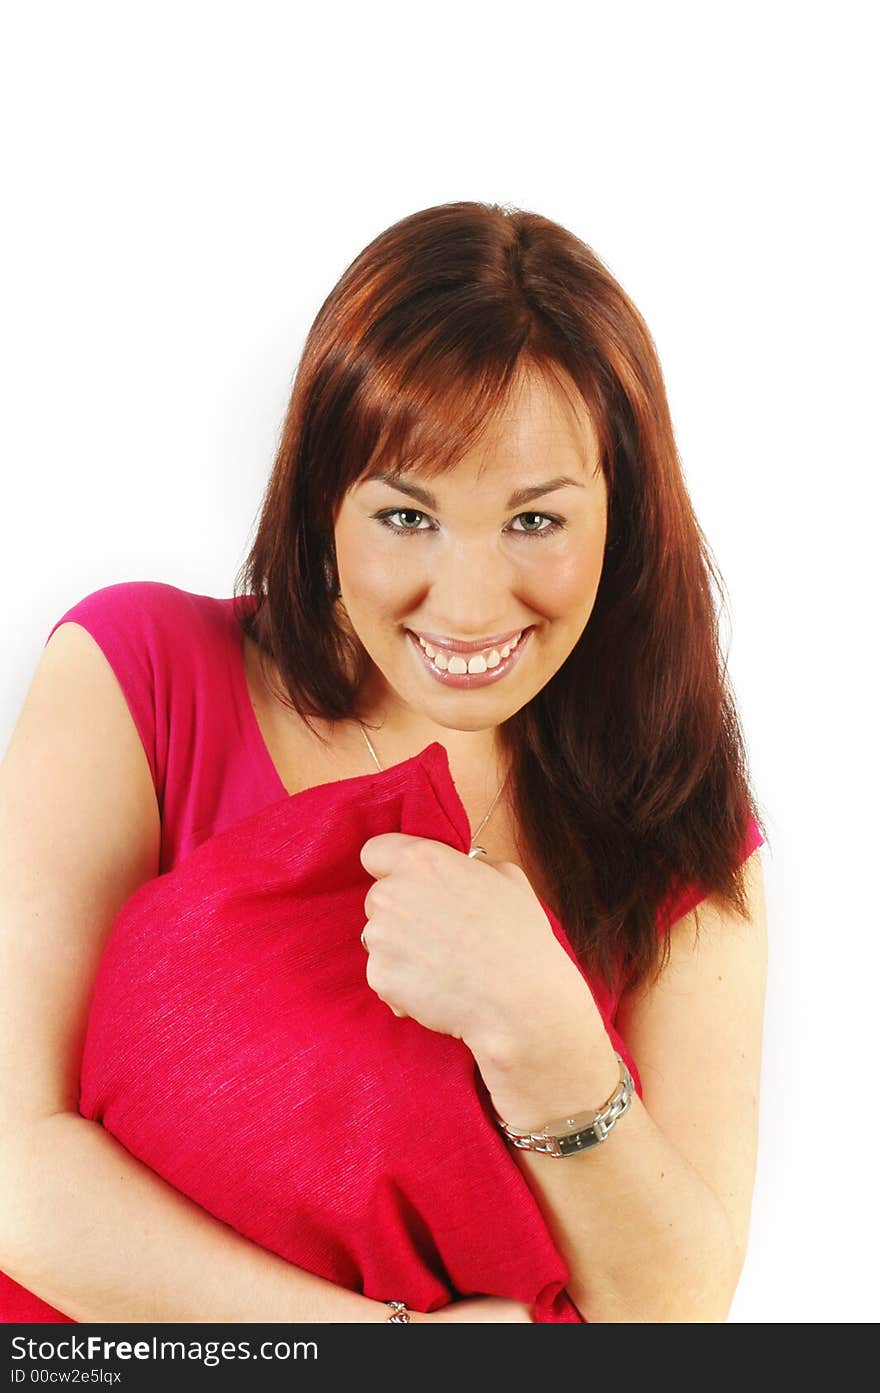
pixel 472 679
pixel 496 641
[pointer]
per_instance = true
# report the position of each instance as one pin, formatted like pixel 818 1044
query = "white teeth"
pixel 478 662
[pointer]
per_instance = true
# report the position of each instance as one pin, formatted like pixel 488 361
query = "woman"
pixel 472 364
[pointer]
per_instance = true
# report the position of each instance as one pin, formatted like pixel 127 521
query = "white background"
pixel 184 184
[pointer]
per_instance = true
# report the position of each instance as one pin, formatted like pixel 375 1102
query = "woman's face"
pixel 468 561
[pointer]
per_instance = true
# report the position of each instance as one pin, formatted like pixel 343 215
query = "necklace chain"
pixel 491 808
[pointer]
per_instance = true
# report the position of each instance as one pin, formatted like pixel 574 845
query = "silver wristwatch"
pixel 566 1135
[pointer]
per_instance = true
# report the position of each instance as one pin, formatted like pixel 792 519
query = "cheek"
pixel 364 572
pixel 569 588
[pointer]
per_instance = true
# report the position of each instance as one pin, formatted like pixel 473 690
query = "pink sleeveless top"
pixel 178 658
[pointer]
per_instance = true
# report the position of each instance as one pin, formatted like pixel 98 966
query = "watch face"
pixel 561 1126
pixel 578 1141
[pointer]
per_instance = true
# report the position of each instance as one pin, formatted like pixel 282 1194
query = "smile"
pixel 473 670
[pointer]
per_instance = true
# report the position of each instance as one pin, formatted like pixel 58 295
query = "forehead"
pixel 543 430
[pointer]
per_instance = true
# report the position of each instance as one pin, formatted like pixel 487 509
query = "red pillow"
pixel 235 1046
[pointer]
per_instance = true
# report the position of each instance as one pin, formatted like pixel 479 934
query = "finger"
pixel 379 854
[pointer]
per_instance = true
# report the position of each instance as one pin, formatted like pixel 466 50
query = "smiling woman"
pixel 472 576
pixel 501 737
pixel 525 375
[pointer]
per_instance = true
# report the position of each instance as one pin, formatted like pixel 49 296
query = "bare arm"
pixel 653 1224
pixel 101 1237
pixel 83 1224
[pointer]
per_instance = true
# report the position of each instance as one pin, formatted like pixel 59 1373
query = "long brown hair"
pixel 628 770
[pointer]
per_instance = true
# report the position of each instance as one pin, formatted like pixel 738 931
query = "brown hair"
pixel 628 772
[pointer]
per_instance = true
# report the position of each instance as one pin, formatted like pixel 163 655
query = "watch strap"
pixel 564 1136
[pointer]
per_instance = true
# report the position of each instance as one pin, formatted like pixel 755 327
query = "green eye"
pixel 555 524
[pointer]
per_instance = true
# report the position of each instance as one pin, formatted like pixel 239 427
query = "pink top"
pixel 178 658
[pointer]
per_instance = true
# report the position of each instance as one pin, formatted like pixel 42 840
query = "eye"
pixel 555 524
pixel 385 519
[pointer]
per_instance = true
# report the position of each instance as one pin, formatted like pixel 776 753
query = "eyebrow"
pixel 519 496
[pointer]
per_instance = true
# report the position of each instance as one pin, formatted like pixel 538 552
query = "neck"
pixel 477 764
pixel 474 750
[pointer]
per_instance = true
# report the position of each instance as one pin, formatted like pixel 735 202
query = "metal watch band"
pixel 566 1135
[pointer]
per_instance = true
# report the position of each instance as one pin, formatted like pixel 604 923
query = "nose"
pixel 472 595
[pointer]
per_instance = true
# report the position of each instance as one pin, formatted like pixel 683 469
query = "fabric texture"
pixel 233 1042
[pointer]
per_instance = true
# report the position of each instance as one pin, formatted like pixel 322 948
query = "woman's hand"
pixel 483 1309
pixel 461 944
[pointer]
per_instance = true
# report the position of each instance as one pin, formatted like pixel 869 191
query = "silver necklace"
pixel 475 850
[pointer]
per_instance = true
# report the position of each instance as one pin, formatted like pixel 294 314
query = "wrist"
pixel 531 1086
pixel 397 1313
pixel 371 1311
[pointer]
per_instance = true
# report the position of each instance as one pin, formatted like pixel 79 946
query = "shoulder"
pixel 715 955
pixel 150 616
pixel 165 646
pixel 681 899
pixel 144 596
